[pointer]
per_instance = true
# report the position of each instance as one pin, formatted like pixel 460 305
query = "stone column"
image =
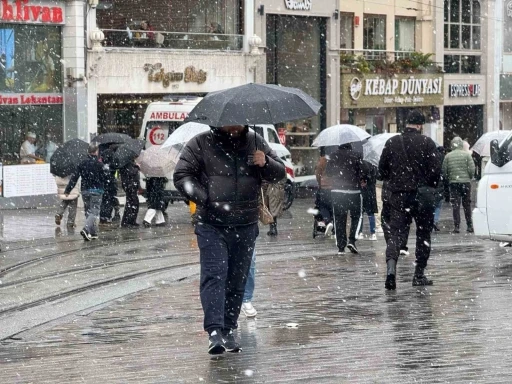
pixel 75 93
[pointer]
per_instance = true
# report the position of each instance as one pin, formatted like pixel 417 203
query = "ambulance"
pixel 492 216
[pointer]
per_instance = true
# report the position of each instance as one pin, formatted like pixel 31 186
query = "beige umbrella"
pixel 156 162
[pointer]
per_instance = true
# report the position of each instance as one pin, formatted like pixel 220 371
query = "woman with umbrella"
pixel 155 187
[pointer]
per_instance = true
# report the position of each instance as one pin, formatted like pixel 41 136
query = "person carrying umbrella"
pixel 69 201
pixel 346 172
pixel 459 169
pixel 410 164
pixel 92 173
pixel 155 187
pixel 221 171
pixel 109 201
pixel 130 180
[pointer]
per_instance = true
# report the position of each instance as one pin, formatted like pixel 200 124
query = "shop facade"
pixel 380 103
pixel 464 107
pixel 193 48
pixel 301 40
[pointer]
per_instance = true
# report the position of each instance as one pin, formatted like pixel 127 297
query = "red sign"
pixel 173 116
pixel 31 99
pixel 282 135
pixel 20 11
pixel 157 136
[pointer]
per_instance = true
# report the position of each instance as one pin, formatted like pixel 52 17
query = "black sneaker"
pixel 456 230
pixel 216 343
pixel 390 282
pixel 230 343
pixel 85 235
pixel 352 248
pixel 58 219
pixel 418 281
pixel 341 251
pixel 470 230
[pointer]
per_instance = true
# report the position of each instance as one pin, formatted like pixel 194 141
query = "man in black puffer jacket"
pixel 221 171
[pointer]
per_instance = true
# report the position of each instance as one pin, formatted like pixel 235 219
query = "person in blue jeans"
pixel 92 173
pixel 247 307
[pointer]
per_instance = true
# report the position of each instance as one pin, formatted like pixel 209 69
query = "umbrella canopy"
pixel 254 104
pixel 127 152
pixel 66 158
pixel 340 134
pixel 112 138
pixel 156 162
pixel 372 149
pixel 184 133
pixel 483 144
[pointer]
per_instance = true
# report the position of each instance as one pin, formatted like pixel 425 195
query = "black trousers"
pixel 385 220
pixel 155 191
pixel 324 204
pixel 405 207
pixel 131 209
pixel 342 204
pixel 461 192
pixel 108 203
pixel 225 257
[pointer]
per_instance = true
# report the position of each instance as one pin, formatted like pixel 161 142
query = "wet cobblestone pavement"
pixel 350 330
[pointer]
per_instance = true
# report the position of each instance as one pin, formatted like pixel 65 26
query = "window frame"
pixel 349 16
pixel 457 26
pixel 366 18
pixel 397 18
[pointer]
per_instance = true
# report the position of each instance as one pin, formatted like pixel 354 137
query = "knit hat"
pixel 32 135
pixel 415 117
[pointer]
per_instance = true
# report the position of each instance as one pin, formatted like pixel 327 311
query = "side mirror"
pixel 495 153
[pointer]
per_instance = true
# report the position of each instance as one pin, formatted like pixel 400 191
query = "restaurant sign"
pixel 157 74
pixel 377 91
pixel 32 11
pixel 31 99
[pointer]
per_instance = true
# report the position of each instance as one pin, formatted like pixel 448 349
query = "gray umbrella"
pixel 112 138
pixel 66 158
pixel 127 152
pixel 254 104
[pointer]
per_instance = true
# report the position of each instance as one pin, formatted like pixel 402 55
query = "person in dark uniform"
pixel 130 180
pixel 109 200
pixel 345 170
pixel 411 166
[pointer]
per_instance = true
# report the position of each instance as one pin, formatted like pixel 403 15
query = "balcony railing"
pixel 126 38
pixel 377 54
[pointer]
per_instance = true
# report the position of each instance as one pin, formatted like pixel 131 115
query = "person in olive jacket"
pixel 222 171
pixel 459 169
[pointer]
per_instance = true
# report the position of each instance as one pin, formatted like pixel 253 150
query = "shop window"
pixel 374 35
pixel 173 24
pixel 462 64
pixel 30 59
pixel 15 122
pixel 347 30
pixel 404 35
pixel 462 29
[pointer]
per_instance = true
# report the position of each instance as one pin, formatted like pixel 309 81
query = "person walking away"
pixel 109 201
pixel 130 180
pixel 69 201
pixel 440 192
pixel 274 200
pixel 459 168
pixel 221 171
pixel 411 166
pixel 155 187
pixel 323 194
pixel 369 194
pixel 92 174
pixel 345 170
pixel 247 307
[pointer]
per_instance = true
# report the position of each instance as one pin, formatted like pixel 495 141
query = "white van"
pixel 163 117
pixel 492 217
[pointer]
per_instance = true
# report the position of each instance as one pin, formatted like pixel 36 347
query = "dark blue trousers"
pixel 225 254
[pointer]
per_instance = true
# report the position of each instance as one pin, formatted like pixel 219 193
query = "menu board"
pixel 28 180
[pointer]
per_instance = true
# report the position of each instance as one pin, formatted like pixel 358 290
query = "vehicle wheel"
pixel 289 195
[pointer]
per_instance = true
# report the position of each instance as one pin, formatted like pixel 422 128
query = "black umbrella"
pixel 66 158
pixel 127 152
pixel 112 138
pixel 254 104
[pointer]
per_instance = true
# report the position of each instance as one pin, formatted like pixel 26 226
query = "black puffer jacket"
pixel 345 169
pixel 215 174
pixel 92 173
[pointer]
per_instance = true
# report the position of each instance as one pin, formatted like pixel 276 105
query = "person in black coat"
pixel 155 187
pixel 346 173
pixel 411 166
pixel 109 201
pixel 369 193
pixel 221 171
pixel 130 180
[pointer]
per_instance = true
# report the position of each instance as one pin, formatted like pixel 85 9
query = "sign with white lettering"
pixel 298 5
pixel 32 11
pixel 168 116
pixel 374 91
pixel 464 90
pixel 31 98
